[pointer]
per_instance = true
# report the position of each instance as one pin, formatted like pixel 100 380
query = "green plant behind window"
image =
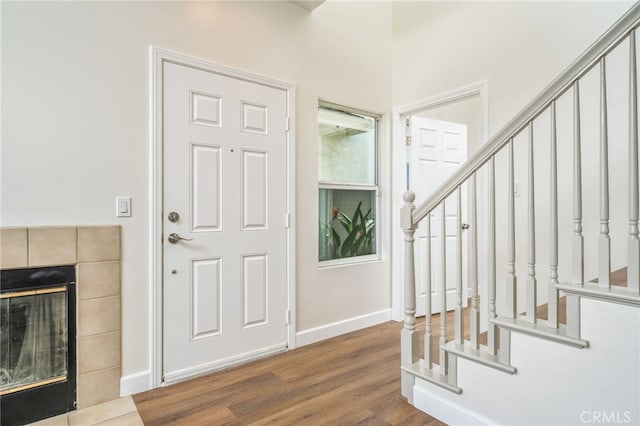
pixel 357 238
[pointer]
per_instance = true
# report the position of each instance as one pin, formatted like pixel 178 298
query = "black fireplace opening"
pixel 37 343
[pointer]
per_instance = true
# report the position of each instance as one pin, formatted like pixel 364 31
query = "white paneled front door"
pixel 224 220
pixel 438 148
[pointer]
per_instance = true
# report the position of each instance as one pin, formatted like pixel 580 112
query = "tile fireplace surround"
pixel 95 252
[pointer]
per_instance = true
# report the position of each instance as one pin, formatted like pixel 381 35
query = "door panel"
pixel 255 290
pixel 206 180
pixel 438 148
pixel 255 183
pixel 224 173
pixel 206 297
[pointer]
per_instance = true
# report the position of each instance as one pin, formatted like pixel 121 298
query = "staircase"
pixel 579 138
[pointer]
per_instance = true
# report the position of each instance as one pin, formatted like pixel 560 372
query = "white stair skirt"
pixel 555 384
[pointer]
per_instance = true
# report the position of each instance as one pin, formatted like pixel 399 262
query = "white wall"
pixel 75 123
pixel 519 47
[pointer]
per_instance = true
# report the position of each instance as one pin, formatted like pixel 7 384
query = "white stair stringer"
pixel 555 384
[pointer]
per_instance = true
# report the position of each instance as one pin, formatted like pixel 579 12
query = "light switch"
pixel 123 206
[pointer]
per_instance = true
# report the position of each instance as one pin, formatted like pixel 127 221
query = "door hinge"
pixel 288 319
pixel 287 220
pixel 287 123
pixel 407 131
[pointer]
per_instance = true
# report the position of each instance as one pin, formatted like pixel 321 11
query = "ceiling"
pixel 310 5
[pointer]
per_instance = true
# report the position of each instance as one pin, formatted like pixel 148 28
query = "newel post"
pixel 409 334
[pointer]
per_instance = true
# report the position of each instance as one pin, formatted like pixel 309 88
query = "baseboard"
pixel 210 367
pixel 135 383
pixel 444 410
pixel 312 335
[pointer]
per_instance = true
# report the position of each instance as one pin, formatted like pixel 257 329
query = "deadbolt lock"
pixel 173 217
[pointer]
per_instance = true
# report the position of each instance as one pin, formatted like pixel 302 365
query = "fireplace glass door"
pixel 33 338
pixel 37 343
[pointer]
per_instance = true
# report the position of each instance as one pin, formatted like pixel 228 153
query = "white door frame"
pixel 481 90
pixel 157 58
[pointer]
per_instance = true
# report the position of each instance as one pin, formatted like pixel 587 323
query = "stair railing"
pixel 496 353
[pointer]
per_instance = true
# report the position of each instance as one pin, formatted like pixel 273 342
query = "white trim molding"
pixel 201 370
pixel 443 409
pixel 157 57
pixel 313 335
pixel 135 383
pixel 479 89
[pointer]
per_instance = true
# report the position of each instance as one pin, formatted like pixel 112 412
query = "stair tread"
pixel 481 356
pixel 432 376
pixel 609 294
pixel 617 278
pixel 541 330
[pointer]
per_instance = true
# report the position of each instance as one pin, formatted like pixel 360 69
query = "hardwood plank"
pixel 201 396
pixel 208 417
pixel 348 380
pixel 313 386
pixel 389 408
pixel 322 407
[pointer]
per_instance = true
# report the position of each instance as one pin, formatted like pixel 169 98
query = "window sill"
pixel 349 261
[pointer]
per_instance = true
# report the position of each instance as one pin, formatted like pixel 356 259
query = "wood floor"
pixel 348 380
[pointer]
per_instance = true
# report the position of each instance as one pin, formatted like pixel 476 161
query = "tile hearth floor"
pixel 119 412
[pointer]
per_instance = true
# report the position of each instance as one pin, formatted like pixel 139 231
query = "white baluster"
pixel 512 289
pixel 552 316
pixel 428 334
pixel 573 302
pixel 578 240
pixel 532 283
pixel 604 243
pixel 473 267
pixel 459 320
pixel 633 248
pixel 444 364
pixel 491 266
pixel 452 369
pixel 409 335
